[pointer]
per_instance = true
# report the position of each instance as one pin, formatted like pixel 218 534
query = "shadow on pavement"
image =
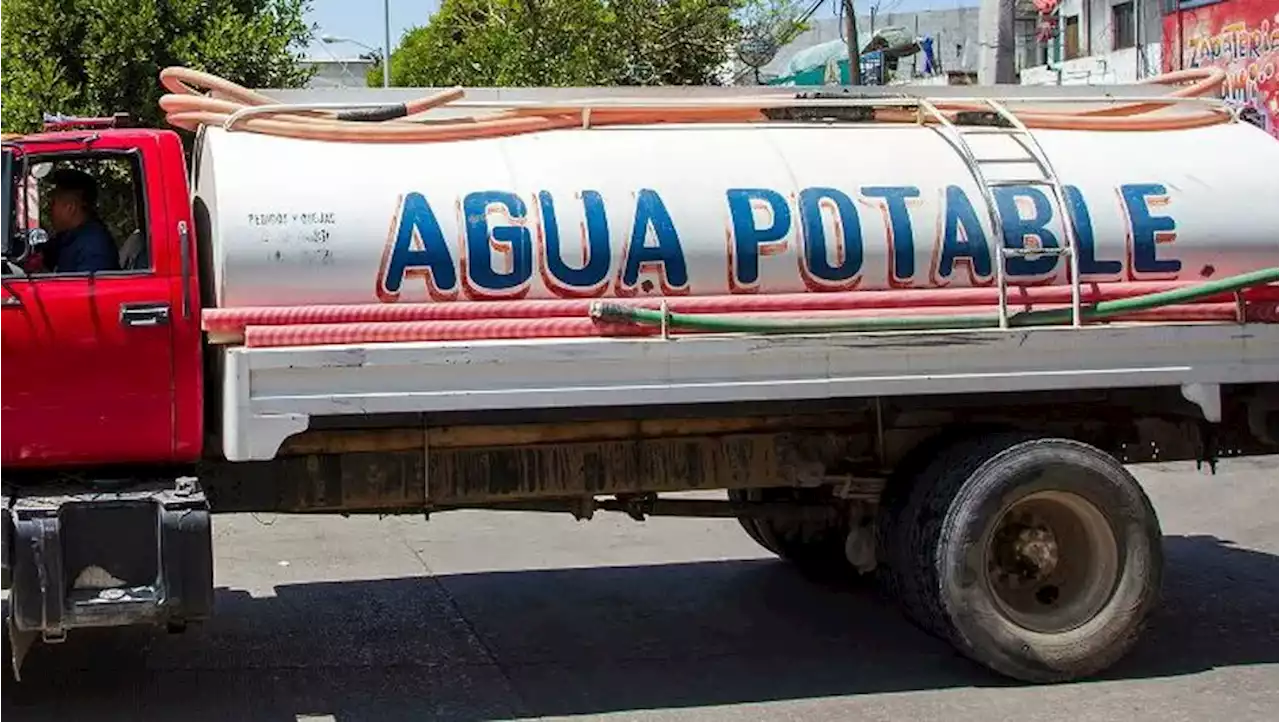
pixel 587 641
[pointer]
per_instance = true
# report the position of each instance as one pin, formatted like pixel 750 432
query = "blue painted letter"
pixel 1149 230
pixel 480 250
pixel 817 264
pixel 747 238
pixel 1017 228
pixel 961 220
pixel 595 266
pixel 901 239
pixel 1090 264
pixel 417 249
pixel 667 256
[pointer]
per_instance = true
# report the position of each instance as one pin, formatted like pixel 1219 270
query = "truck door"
pixel 87 350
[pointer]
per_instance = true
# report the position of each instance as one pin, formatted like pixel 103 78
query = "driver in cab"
pixel 80 242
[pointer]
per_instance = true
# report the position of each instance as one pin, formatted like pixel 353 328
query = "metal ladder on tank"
pixel 1034 155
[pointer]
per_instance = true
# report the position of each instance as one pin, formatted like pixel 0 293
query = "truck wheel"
pixel 1039 558
pixel 816 546
pixel 902 483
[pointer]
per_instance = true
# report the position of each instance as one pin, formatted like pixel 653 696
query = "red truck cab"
pixel 101 369
pixel 103 521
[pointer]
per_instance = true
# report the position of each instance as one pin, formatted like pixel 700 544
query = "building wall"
pixel 1093 51
pixel 1116 67
pixel 338 73
pixel 954 32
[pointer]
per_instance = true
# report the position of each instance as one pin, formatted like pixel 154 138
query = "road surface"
pixel 478 616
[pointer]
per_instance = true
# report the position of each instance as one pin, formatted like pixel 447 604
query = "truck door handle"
pixel 144 314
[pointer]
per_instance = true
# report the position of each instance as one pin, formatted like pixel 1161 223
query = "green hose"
pixel 618 312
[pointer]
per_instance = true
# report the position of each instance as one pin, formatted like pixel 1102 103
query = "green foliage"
pixel 98 57
pixel 768 25
pixel 570 43
pixel 776 21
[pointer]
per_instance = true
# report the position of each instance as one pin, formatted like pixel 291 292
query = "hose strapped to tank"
pixel 616 312
pixel 235 107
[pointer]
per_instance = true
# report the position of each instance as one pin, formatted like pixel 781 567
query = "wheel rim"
pixel 1052 561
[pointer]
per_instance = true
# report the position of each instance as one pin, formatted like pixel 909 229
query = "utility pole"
pixel 1139 51
pixel 386 43
pixel 855 50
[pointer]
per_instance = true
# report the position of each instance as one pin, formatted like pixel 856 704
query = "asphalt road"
pixel 477 616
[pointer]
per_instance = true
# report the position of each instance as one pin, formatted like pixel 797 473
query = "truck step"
pixel 113 605
pixel 1005 182
pixel 998 161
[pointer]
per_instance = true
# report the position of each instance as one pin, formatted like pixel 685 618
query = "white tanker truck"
pixel 909 338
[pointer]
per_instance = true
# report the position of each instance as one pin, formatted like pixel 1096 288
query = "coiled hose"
pixel 187 107
pixel 615 312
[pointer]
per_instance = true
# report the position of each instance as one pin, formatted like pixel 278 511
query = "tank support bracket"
pixel 1208 397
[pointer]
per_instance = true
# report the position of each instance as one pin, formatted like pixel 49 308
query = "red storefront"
pixel 1238 35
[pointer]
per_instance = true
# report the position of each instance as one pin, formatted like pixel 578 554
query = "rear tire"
pixel 1039 558
pixel 902 484
pixel 816 547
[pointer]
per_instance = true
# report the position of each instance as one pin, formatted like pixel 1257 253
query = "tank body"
pixel 717 210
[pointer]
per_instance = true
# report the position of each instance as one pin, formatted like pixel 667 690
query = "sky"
pixel 361 20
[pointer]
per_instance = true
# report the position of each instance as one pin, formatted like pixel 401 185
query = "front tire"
pixel 1039 558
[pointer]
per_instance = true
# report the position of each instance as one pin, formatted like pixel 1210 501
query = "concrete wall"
pixel 338 73
pixel 1099 61
pixel 954 32
pixel 1116 67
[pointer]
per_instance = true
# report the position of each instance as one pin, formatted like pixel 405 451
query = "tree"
pixel 674 42
pixel 568 43
pixel 767 26
pixel 98 57
pixel 776 22
pixel 505 42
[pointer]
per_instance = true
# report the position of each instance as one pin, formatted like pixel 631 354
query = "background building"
pixel 1096 42
pixel 338 72
pixel 953 31
pixel 1076 42
pixel 1240 36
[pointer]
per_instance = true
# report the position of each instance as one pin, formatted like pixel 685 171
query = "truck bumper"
pixel 75 558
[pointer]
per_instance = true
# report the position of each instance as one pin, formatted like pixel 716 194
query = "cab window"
pixel 92 208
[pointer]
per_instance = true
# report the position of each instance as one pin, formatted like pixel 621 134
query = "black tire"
pixel 899 489
pixel 949 568
pixel 748 525
pixel 815 547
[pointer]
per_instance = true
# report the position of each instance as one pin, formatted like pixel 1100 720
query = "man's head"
pixel 73 200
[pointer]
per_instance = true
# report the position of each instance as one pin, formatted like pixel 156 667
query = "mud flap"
pixel 105 558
